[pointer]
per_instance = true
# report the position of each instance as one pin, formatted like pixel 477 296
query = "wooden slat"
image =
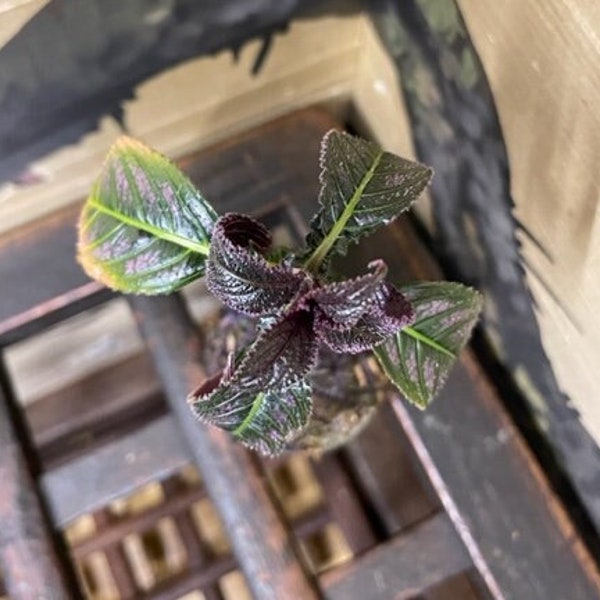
pixel 388 477
pixel 345 504
pixel 91 481
pixel 197 555
pixel 116 530
pixel 59 287
pixel 116 558
pixel 95 409
pixel 29 558
pixel 403 567
pixel 518 533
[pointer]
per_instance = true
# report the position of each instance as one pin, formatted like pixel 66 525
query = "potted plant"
pixel 288 379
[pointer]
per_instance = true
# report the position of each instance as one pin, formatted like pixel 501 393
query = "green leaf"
pixel 264 401
pixel 419 358
pixel 362 189
pixel 145 228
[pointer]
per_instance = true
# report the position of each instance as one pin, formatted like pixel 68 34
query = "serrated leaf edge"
pixel 314 261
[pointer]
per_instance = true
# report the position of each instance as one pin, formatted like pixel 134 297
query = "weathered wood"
pixel 548 540
pixel 197 555
pixel 403 567
pixel 87 483
pixel 541 61
pixel 30 561
pixel 456 130
pixel 120 568
pixel 380 458
pixel 59 287
pixel 94 410
pixel 517 532
pixel 112 531
pixel 343 499
pixel 259 537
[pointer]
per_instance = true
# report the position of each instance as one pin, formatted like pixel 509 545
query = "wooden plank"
pixel 97 408
pixel 344 503
pixel 29 555
pixel 118 468
pixel 457 131
pixel 541 60
pixel 197 555
pixel 402 568
pixel 59 287
pixel 517 532
pixel 116 558
pixel 387 475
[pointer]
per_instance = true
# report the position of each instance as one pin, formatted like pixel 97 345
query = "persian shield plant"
pixel 146 229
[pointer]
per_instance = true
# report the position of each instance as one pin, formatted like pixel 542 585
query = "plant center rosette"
pixel 264 394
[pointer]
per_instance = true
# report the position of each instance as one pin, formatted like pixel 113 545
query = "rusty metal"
pixel 29 559
pixel 262 544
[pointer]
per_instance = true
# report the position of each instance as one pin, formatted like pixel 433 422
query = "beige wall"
pixel 543 63
pixel 14 14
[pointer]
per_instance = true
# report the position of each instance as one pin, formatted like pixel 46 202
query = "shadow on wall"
pixel 75 62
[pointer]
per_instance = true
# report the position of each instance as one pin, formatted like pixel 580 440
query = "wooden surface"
pixel 543 63
pixel 14 14
pixel 391 567
pixel 208 98
pixel 456 130
pixel 482 471
pixel 29 556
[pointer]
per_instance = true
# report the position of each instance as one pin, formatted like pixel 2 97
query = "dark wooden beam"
pixel 513 524
pixel 30 558
pixel 261 541
pixel 89 482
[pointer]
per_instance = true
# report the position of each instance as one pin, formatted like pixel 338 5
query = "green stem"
pixel 314 261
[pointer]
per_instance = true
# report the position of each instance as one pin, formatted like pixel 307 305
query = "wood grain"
pixel 542 60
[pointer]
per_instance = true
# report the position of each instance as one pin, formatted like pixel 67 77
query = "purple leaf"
pixel 265 401
pixel 344 302
pixel 388 314
pixel 237 273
